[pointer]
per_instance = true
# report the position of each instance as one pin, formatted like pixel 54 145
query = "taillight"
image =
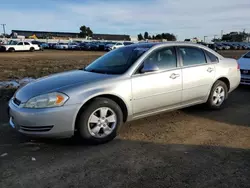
pixel 238 66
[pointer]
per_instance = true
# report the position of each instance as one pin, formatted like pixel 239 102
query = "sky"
pixel 184 18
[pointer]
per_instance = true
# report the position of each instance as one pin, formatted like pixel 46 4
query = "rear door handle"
pixel 210 69
pixel 174 76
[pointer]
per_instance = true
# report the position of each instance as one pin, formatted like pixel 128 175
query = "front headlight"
pixel 49 100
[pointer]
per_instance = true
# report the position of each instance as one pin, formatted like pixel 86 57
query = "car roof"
pixel 170 43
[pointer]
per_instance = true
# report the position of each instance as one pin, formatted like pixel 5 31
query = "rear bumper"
pixel 51 122
pixel 234 81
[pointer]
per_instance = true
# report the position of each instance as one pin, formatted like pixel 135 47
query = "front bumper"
pixel 56 122
pixel 245 79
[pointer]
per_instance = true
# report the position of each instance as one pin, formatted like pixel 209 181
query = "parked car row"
pixel 232 46
pixel 93 45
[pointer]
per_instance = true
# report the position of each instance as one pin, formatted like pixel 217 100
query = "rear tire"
pixel 96 127
pixel 32 49
pixel 218 95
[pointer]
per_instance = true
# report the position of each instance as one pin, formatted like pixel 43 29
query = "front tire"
pixel 218 95
pixel 32 49
pixel 11 50
pixel 100 121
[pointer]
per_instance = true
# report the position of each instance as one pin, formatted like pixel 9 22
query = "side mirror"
pixel 149 67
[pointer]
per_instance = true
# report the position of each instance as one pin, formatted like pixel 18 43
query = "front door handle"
pixel 210 69
pixel 174 76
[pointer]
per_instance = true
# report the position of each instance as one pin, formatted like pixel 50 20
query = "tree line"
pixel 85 32
pixel 166 36
pixel 233 37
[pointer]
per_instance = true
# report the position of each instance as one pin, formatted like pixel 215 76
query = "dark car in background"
pixel 44 45
pixel 82 46
pixel 92 46
pixel 212 46
pixel 127 43
pixel 109 45
pixel 52 45
pixel 219 46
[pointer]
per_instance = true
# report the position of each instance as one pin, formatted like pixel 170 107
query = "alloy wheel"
pixel 218 96
pixel 102 122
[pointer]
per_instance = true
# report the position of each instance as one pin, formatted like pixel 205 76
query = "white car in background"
pixel 62 46
pixel 19 46
pixel 244 63
pixel 72 45
pixel 121 44
pixel 117 45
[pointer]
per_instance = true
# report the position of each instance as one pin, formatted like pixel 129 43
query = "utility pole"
pixel 205 38
pixel 221 33
pixel 3 29
pixel 245 34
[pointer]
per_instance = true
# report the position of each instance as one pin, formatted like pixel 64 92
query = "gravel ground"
pixel 185 148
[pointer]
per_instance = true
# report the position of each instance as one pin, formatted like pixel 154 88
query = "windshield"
pixel 247 55
pixel 117 61
pixel 12 42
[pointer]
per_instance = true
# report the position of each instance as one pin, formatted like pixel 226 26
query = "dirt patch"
pixel 236 54
pixel 37 64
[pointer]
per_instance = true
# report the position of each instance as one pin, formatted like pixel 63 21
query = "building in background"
pixel 111 37
pixel 44 34
pixel 66 35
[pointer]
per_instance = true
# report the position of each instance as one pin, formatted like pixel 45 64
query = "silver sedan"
pixel 128 83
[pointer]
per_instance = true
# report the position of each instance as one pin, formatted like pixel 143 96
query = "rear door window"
pixel 212 57
pixel 192 56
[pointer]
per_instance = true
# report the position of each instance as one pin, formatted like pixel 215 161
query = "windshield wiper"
pixel 96 71
pixel 83 68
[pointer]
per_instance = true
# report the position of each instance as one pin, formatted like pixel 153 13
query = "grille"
pixel 36 129
pixel 246 72
pixel 245 80
pixel 16 101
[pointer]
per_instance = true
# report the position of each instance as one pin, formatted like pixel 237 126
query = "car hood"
pixel 56 82
pixel 244 63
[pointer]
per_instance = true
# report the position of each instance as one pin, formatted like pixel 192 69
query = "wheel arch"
pixel 115 98
pixel 225 80
pixel 10 48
